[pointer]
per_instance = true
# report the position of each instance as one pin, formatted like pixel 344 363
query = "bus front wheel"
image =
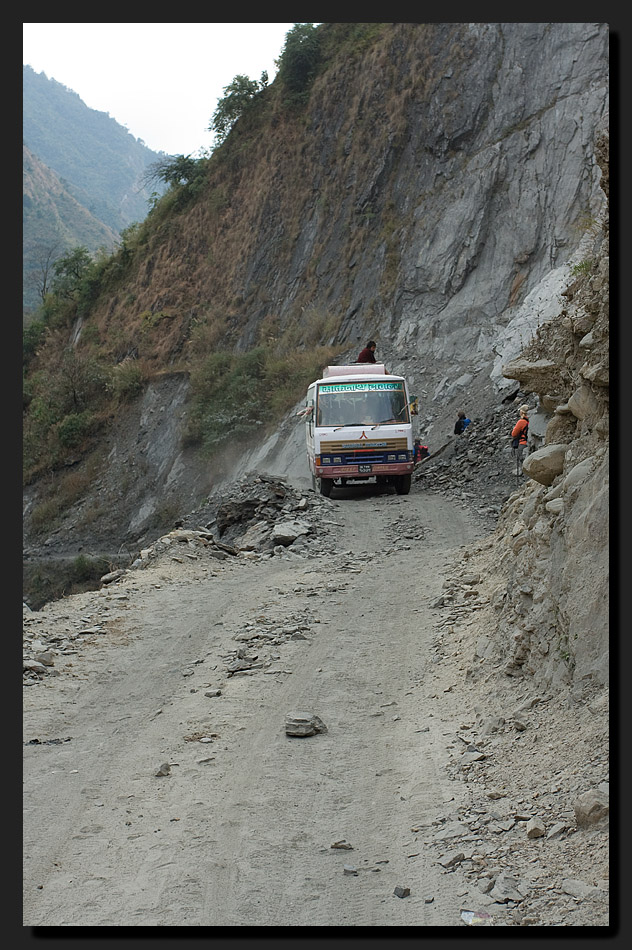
pixel 326 484
pixel 402 484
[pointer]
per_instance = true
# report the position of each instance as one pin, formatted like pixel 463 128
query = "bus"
pixel 358 428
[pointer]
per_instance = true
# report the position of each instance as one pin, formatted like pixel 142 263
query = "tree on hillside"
pixel 299 60
pixel 238 96
pixel 43 257
pixel 177 170
pixel 70 271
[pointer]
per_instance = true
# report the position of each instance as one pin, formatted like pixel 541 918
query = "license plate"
pixel 364 468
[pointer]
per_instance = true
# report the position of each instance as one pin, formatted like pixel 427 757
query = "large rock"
pixel 583 403
pixel 255 537
pixel 598 374
pixel 579 473
pixel 288 531
pixel 592 807
pixel 537 376
pixel 545 464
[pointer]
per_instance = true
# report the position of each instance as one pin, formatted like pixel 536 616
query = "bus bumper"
pixel 366 470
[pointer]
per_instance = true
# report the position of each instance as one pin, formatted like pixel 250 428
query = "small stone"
pixel 557 829
pixel 165 769
pixel 303 724
pixel 32 666
pixel 452 859
pixel 350 869
pixel 401 891
pixel 506 889
pixel 578 889
pixel 535 828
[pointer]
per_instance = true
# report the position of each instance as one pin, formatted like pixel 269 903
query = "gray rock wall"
pixel 486 181
pixel 554 534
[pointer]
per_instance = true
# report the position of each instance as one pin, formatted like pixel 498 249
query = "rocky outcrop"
pixel 547 564
pixel 553 535
pixel 545 464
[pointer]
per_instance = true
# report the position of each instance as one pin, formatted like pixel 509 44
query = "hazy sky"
pixel 162 81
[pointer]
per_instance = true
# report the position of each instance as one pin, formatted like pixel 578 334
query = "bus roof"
pixel 366 370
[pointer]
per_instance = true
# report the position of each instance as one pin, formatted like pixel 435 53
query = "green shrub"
pixel 234 395
pixel 126 379
pixel 74 428
pixel 583 268
pixel 32 337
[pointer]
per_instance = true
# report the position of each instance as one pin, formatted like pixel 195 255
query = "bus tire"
pixel 402 484
pixel 326 484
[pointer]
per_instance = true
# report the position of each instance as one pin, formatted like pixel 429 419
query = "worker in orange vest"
pixel 519 435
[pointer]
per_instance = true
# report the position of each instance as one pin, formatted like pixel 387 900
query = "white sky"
pixel 161 81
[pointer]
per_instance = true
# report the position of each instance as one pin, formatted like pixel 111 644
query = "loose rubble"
pixel 537 800
pixel 529 837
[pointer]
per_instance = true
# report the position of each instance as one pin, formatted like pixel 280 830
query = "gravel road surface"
pixel 246 827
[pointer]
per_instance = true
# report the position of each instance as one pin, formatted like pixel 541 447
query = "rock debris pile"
pixel 261 517
pixel 530 837
pixel 477 467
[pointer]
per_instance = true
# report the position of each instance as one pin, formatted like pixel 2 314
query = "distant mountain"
pixel 92 162
pixel 53 221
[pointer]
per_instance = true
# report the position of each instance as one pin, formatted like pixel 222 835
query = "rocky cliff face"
pixel 442 195
pixel 553 536
pixel 435 182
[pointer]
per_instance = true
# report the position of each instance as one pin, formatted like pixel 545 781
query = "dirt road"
pixel 242 830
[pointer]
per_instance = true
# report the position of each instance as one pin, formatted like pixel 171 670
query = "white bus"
pixel 358 428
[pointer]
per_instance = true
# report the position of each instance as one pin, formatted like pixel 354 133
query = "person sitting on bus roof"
pixel 367 355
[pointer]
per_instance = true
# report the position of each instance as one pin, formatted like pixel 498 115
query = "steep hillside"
pixel 437 190
pixel 553 555
pixel 431 182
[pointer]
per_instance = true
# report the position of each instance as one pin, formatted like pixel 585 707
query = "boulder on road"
pixel 303 724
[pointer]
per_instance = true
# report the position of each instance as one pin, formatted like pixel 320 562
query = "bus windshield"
pixel 362 404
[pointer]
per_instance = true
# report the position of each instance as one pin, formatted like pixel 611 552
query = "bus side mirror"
pixel 414 406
